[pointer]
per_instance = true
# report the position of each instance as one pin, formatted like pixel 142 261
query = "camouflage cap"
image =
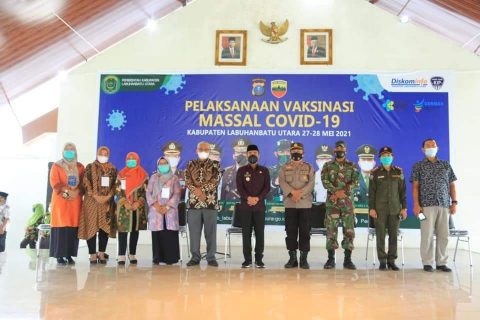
pixel 240 145
pixel 283 145
pixel 172 147
pixel 340 143
pixel 366 151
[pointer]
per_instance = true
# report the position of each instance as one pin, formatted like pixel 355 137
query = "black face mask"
pixel 241 159
pixel 252 159
pixel 339 154
pixel 297 156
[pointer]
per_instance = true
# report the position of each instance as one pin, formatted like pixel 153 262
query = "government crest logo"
pixel 437 82
pixel 278 88
pixel 111 84
pixel 258 87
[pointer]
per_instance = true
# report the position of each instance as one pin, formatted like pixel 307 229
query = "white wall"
pixel 366 39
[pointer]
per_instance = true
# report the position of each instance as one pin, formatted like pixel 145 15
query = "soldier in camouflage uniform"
pixel 340 177
pixel 229 181
pixel 282 153
pixel 387 203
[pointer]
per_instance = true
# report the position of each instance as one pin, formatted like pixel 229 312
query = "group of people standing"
pixel 99 200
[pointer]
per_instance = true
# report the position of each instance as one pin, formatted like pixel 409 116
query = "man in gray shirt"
pixel 297 180
pixel 433 187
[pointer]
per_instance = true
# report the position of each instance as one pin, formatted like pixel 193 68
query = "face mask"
pixel 163 168
pixel 366 165
pixel 253 159
pixel 69 154
pixel 431 152
pixel 320 163
pixel 339 154
pixel 202 155
pixel 241 159
pixel 387 160
pixel 102 159
pixel 131 163
pixel 296 156
pixel 282 159
pixel 173 161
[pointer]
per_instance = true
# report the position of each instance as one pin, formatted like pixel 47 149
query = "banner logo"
pixel 111 84
pixel 420 104
pixel 278 88
pixel 437 82
pixel 389 105
pixel 258 87
pixel 409 83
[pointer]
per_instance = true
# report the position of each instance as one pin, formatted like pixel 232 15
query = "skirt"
pixel 63 242
pixel 165 246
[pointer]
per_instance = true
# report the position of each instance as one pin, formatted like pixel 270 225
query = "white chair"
pixel 371 237
pixel 183 229
pixel 42 228
pixel 462 236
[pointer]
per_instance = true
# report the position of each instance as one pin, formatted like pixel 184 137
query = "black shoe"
pixel 246 264
pixel 303 260
pixel 444 268
pixel 383 266
pixel 121 262
pixel 427 268
pixel 61 261
pixel 213 263
pixel 156 261
pixel 192 263
pixel 330 264
pixel 347 262
pixel 70 260
pixel 94 261
pixel 392 266
pixel 292 262
pixel 259 264
pixel 106 256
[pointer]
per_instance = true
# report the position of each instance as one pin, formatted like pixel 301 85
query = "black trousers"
pixel 102 242
pixel 122 239
pixel 3 237
pixel 253 219
pixel 297 226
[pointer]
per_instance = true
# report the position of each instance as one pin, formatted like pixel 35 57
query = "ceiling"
pixel 458 20
pixel 39 38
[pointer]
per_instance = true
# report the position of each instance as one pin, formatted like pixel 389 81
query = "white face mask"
pixel 320 163
pixel 173 161
pixel 102 159
pixel 431 152
pixel 366 165
pixel 202 155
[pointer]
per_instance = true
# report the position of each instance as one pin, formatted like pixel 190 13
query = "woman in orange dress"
pixel 66 176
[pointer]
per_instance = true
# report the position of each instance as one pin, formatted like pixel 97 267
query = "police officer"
pixel 323 155
pixel 282 154
pixel 366 161
pixel 229 186
pixel 387 204
pixel 340 177
pixel 253 185
pixel 297 179
pixel 216 155
pixel 172 152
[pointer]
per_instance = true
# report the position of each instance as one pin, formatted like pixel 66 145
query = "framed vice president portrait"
pixel 231 48
pixel 316 46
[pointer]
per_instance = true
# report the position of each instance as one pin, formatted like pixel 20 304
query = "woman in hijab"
pixel 163 196
pixel 98 206
pixel 31 231
pixel 66 176
pixel 131 212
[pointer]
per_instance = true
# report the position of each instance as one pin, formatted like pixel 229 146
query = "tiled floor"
pixel 38 288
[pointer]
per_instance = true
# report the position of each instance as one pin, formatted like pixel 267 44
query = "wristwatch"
pixel 454 202
pixel 65 194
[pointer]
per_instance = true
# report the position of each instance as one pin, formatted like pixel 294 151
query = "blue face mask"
pixel 282 159
pixel 69 154
pixel 163 168
pixel 386 161
pixel 131 163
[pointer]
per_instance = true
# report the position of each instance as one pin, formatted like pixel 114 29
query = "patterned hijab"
pixel 134 177
pixel 107 165
pixel 70 167
pixel 162 179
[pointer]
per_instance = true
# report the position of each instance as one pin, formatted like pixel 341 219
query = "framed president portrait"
pixel 316 46
pixel 231 48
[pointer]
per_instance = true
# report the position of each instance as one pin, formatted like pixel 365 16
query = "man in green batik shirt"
pixel 340 177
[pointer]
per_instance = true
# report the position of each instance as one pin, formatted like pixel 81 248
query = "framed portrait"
pixel 231 48
pixel 316 46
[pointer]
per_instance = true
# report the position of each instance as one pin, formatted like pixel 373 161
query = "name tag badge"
pixel 165 193
pixel 123 184
pixel 381 177
pixel 182 183
pixel 72 181
pixel 105 182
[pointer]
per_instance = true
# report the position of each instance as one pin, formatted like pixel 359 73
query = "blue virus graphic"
pixel 389 105
pixel 173 83
pixel 369 84
pixel 116 120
